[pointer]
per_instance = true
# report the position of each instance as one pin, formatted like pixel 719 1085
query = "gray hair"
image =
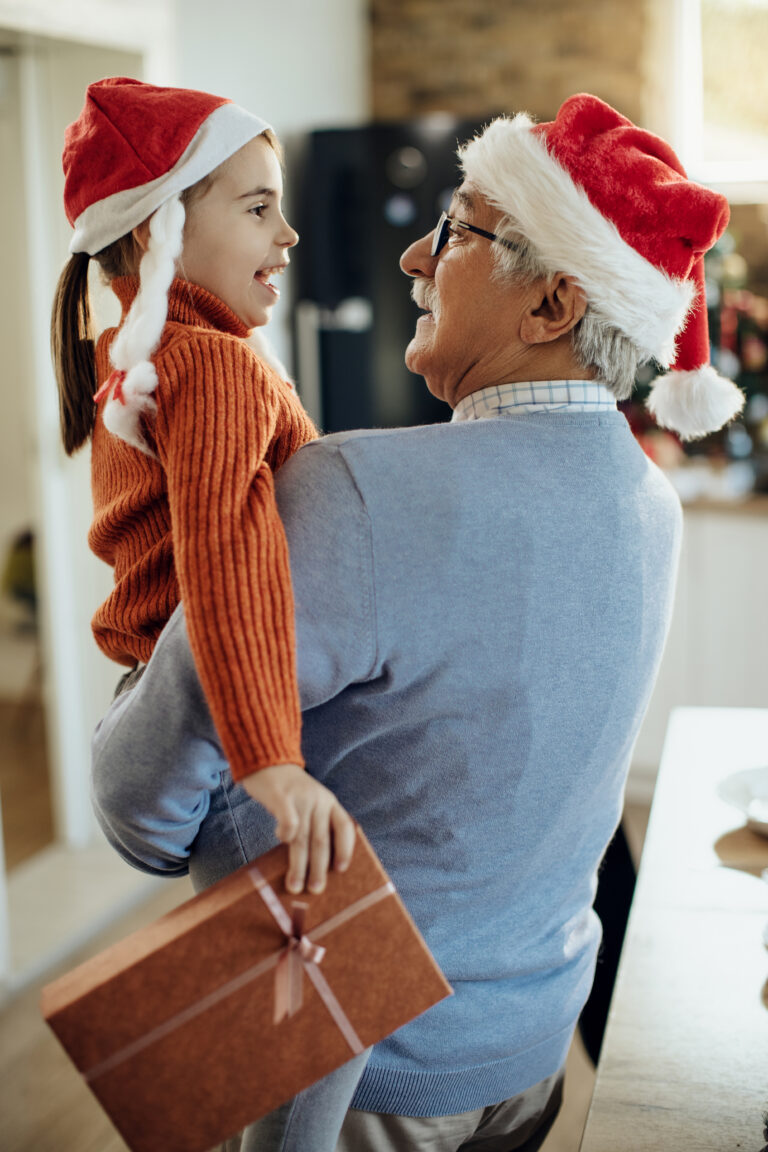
pixel 598 345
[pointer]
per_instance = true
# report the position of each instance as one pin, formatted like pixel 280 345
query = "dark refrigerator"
pixel 367 193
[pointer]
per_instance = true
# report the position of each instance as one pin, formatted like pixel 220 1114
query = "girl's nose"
pixel 289 236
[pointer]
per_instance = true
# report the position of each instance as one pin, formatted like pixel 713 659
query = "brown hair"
pixel 72 336
pixel 72 346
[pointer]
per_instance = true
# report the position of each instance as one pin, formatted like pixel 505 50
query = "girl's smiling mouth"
pixel 264 275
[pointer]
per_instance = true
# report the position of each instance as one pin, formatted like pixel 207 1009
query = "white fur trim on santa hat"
pixel 143 326
pixel 222 134
pixel 693 404
pixel 512 167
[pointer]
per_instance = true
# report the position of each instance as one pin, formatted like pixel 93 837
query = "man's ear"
pixel 141 235
pixel 555 309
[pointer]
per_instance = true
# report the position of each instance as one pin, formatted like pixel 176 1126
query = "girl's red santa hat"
pixel 610 205
pixel 134 148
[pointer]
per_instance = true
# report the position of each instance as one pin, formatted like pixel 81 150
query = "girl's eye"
pixel 258 209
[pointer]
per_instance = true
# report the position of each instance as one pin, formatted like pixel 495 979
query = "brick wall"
pixel 477 57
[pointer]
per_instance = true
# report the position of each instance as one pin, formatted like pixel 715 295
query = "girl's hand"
pixel 310 821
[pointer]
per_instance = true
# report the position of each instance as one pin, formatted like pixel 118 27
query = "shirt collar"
pixel 536 396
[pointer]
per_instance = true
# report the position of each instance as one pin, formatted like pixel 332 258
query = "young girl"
pixel 177 196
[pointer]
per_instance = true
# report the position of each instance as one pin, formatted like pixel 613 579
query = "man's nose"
pixel 417 260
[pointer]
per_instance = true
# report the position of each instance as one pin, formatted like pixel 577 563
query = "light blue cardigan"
pixel 481 610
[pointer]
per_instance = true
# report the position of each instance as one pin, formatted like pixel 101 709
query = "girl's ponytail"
pixel 72 351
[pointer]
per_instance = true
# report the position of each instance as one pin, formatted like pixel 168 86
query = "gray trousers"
pixel 520 1124
pixel 310 1120
pixel 517 1125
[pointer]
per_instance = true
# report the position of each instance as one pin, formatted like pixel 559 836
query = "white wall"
pixel 299 64
pixel 80 674
pixel 53 51
pixel 42 82
pixel 16 505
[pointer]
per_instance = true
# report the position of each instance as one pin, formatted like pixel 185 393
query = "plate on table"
pixel 748 791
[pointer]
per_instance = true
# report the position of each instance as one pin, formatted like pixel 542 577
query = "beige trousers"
pixel 520 1124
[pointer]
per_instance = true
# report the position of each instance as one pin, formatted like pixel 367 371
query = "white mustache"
pixel 424 294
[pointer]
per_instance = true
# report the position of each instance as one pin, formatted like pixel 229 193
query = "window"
pixel 722 76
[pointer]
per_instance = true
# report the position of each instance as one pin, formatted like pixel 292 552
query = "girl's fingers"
pixel 286 817
pixel 298 852
pixel 319 848
pixel 316 828
pixel 343 838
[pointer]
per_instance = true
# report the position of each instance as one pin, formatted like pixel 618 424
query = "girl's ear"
pixel 141 235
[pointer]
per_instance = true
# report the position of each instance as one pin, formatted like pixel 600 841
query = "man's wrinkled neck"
pixel 527 363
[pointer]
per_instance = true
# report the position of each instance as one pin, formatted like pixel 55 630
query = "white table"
pixel 684 1064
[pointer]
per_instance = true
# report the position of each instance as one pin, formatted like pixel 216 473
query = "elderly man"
pixel 481 611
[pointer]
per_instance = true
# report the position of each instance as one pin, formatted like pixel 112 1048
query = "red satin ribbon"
pixel 289 974
pixel 115 378
pixel 300 956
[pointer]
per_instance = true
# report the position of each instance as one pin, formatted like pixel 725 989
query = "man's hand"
pixel 308 818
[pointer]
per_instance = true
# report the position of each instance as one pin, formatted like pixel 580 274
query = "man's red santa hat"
pixel 134 148
pixel 610 205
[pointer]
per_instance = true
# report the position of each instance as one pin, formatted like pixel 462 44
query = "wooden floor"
pixel 45 1106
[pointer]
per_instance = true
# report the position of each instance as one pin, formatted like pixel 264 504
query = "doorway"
pixel 24 768
pixel 54 684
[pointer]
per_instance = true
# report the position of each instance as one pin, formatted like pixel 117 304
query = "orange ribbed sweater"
pixel 200 523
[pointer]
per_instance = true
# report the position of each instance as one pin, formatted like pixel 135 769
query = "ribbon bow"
pixel 289 974
pixel 115 378
pixel 298 955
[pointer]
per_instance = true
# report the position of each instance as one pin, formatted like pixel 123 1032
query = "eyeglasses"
pixel 443 231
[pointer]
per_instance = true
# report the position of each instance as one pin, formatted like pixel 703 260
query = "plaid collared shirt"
pixel 536 396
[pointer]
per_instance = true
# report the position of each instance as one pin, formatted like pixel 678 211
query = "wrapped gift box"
pixel 200 1023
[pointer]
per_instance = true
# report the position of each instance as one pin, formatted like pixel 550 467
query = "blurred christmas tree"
pixel 738 327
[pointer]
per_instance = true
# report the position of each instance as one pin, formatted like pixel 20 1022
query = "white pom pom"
pixel 124 419
pixel 693 404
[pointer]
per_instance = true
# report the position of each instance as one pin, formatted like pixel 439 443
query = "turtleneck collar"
pixel 187 304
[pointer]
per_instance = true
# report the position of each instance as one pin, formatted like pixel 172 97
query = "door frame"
pixel 143 28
